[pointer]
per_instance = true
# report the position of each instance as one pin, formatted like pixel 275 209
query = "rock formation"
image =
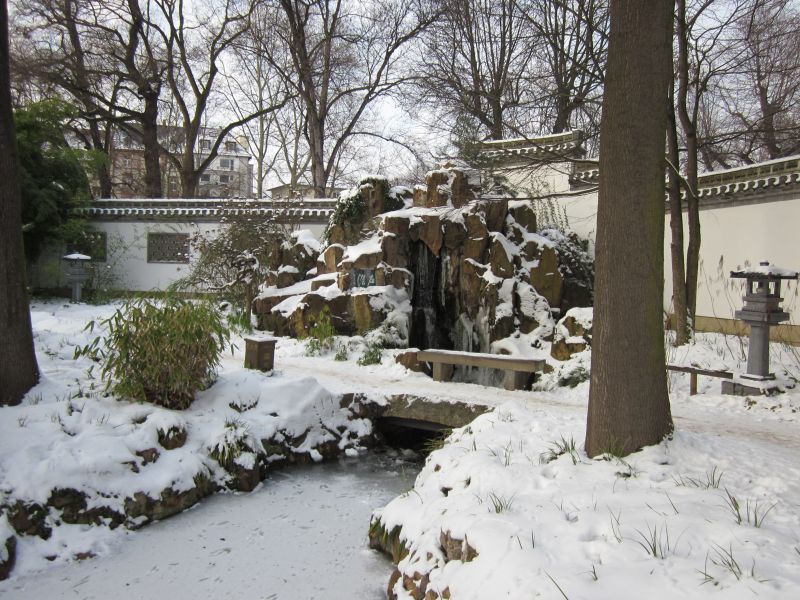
pixel 451 271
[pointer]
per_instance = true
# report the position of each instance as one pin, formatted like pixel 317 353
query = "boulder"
pixel 471 285
pixel 322 281
pixel 544 274
pixel 395 224
pixel 500 261
pixel 331 257
pixel 461 190
pixel 29 518
pixel 429 231
pixel 438 192
pixel 477 237
pixel 395 249
pixel 174 437
pixel 7 565
pixel 522 213
pixel 409 360
pixel 396 277
pixel 420 197
pixel 493 212
pixel 454 234
pixel 573 334
pixel 74 509
pixel 167 504
pixel 365 317
pixel 308 310
pixel 530 307
pixel 286 279
pixel 368 260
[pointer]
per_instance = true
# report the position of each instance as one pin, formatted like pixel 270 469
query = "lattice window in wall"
pixel 167 247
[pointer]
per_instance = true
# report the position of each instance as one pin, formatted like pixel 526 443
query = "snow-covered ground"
pixel 302 534
pixel 542 525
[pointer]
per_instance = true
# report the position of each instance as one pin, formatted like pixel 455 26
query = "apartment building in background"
pixel 230 174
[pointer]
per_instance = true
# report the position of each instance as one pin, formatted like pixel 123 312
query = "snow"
pixel 770 270
pixel 582 316
pixel 306 238
pixel 369 246
pixel 265 544
pixel 68 434
pixel 536 519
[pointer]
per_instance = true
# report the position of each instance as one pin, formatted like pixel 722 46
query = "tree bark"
pixel 688 120
pixel 150 143
pixel 18 369
pixel 680 310
pixel 628 401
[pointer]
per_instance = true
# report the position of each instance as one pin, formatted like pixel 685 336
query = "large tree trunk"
pixel 18 369
pixel 628 401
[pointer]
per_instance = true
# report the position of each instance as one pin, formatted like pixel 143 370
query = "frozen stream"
pixel 301 536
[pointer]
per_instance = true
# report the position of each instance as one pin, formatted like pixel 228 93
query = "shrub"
pixel 341 352
pixel 321 334
pixel 372 355
pixel 160 352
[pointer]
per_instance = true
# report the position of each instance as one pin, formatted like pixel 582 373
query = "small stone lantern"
pixel 78 272
pixel 761 309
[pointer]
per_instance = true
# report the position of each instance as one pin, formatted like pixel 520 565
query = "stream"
pixel 301 536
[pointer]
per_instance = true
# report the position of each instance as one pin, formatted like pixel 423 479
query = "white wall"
pixel 126 266
pixel 733 237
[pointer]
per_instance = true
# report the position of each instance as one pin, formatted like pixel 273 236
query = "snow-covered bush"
pixel 234 260
pixel 372 355
pixel 321 334
pixel 160 352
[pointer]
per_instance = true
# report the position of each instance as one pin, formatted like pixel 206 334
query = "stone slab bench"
pixel 695 371
pixel 516 370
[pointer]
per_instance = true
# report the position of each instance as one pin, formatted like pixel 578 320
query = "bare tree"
pixel 762 97
pixel 102 54
pixel 195 39
pixel 275 139
pixel 572 37
pixel 473 61
pixel 628 401
pixel 18 369
pixel 345 57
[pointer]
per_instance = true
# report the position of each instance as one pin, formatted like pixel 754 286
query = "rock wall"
pixel 240 467
pixel 452 271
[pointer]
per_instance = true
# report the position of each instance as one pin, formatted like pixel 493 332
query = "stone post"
pixel 77 273
pixel 761 309
pixel 259 353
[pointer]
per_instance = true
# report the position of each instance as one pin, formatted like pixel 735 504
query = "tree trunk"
pixel 628 401
pixel 152 165
pixel 563 111
pixel 18 369
pixel 682 331
pixel 319 178
pixel 103 172
pixel 689 126
pixel 189 178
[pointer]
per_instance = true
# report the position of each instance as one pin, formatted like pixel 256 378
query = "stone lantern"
pixel 762 308
pixel 78 272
